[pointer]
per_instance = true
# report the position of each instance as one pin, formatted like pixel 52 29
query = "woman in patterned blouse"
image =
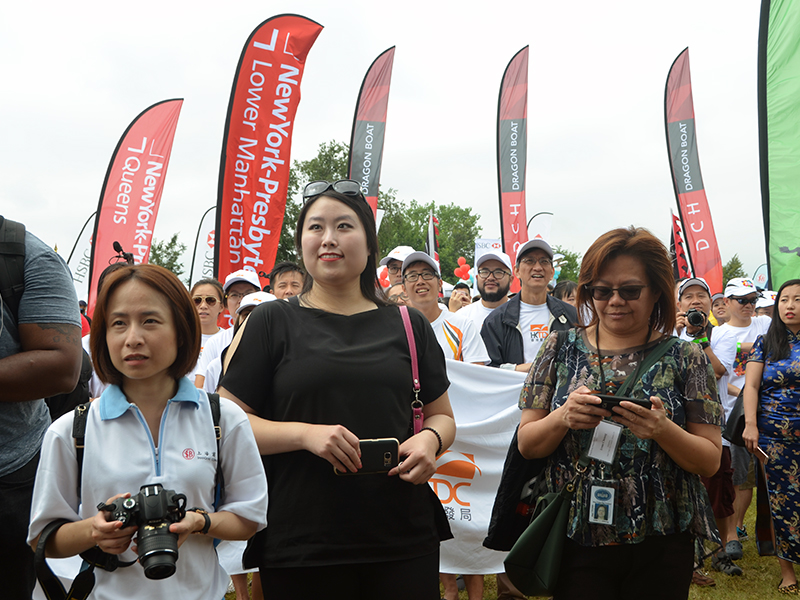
pixel 657 503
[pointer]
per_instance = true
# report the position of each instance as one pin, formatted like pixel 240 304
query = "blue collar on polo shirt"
pixel 113 402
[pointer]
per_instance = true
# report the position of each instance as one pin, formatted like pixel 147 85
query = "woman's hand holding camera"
pixel 111 536
pixel 644 423
pixel 334 443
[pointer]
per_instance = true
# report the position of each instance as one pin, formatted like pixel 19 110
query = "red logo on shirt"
pixel 188 454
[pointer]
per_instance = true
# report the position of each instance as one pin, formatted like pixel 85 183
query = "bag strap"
pixel 79 417
pixel 416 405
pixel 652 358
pixel 219 478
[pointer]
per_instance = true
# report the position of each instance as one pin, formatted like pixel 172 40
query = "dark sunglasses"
pixel 348 187
pixel 210 300
pixel 626 292
pixel 745 301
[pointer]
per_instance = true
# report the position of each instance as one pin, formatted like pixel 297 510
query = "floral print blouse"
pixel 653 495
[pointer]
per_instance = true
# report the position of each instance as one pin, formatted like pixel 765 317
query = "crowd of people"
pixel 324 364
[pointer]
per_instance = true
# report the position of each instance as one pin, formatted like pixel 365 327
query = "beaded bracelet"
pixel 438 437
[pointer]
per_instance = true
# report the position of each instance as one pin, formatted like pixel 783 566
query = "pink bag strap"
pixel 416 405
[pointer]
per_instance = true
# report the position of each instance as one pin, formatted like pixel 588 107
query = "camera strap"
pixel 219 479
pixel 84 581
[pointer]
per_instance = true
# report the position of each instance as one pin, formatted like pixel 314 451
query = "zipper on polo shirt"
pixel 161 434
pixel 153 447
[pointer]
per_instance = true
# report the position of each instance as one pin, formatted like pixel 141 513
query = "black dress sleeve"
pixel 249 374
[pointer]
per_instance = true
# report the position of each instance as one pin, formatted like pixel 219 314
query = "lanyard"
pixel 636 373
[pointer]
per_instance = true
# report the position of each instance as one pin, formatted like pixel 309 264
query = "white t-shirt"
pixel 723 343
pixel 534 322
pixel 459 338
pixel 213 348
pixel 476 312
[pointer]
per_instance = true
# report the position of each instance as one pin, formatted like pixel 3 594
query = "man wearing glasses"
pixel 732 343
pixel 494 275
pixel 456 335
pixel 515 331
pixel 394 263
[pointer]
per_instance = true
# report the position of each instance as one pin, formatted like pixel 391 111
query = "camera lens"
pixel 695 318
pixel 158 550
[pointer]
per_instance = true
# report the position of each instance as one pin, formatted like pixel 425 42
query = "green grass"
pixel 759 581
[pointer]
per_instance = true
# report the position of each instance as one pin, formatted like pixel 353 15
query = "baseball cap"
pixel 740 286
pixel 716 297
pixel 767 299
pixel 255 299
pixel 242 275
pixel 686 283
pixel 533 245
pixel 398 253
pixel 499 256
pixel 420 257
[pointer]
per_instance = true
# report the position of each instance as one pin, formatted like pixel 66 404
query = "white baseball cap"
pixel 398 253
pixel 740 286
pixel 533 245
pixel 245 275
pixel 767 299
pixel 686 283
pixel 255 299
pixel 421 257
pixel 499 256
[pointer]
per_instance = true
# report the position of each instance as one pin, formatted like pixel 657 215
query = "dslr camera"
pixel 695 318
pixel 153 510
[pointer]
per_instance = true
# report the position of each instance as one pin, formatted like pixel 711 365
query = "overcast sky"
pixel 74 75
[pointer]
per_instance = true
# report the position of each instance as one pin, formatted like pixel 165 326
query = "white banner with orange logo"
pixel 484 403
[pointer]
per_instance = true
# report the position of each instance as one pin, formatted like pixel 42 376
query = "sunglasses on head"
pixel 626 292
pixel 348 187
pixel 210 300
pixel 745 301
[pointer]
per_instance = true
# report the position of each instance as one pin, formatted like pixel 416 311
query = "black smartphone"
pixel 608 401
pixel 377 456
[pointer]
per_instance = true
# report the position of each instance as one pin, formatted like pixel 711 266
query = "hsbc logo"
pixel 211 239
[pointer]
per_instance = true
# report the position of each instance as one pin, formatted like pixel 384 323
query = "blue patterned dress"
pixel 779 437
pixel 653 495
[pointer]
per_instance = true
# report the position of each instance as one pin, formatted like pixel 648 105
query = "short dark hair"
pixel 370 287
pixel 212 282
pixel 564 288
pixel 461 286
pixel 285 267
pixel 184 314
pixel 639 243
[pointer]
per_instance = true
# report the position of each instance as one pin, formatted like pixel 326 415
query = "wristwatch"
pixel 201 511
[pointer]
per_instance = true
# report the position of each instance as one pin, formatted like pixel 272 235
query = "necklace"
pixel 600 357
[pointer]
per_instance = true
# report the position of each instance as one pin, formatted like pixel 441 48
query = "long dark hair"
pixel 370 288
pixel 776 340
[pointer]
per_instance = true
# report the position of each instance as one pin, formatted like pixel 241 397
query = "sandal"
pixel 789 590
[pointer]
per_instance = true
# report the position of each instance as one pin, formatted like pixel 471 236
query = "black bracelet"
pixel 204 512
pixel 438 437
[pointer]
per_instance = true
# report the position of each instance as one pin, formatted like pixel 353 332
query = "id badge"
pixel 605 442
pixel 601 505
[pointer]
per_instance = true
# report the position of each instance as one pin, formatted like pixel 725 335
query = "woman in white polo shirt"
pixel 151 426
